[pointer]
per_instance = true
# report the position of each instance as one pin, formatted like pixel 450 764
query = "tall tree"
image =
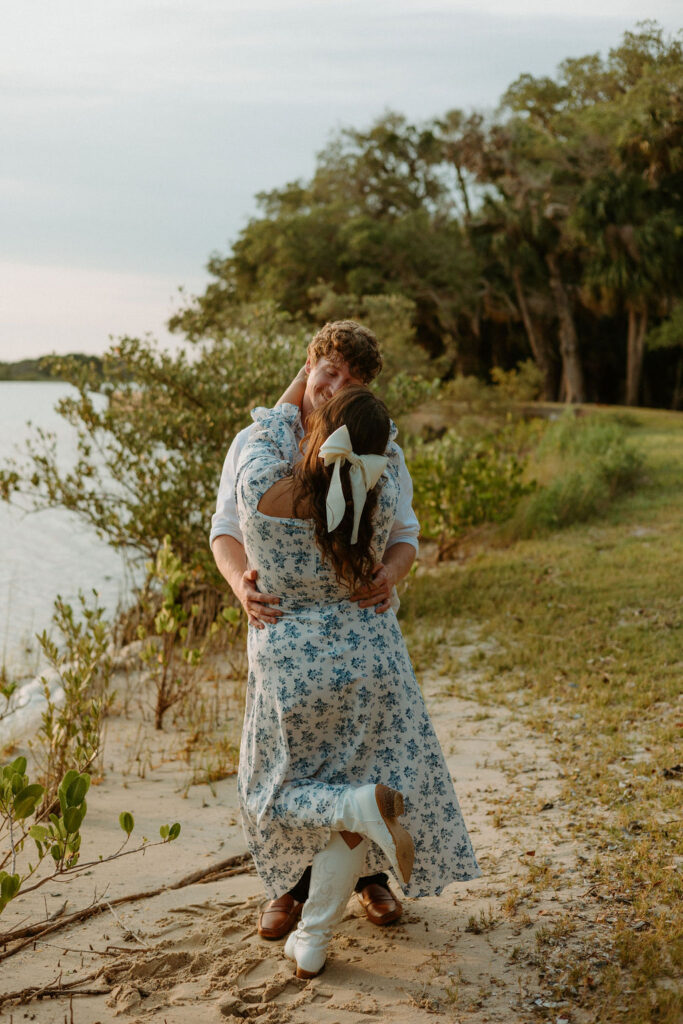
pixel 544 228
pixel 630 211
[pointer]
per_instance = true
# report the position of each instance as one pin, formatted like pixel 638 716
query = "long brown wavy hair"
pixel 368 423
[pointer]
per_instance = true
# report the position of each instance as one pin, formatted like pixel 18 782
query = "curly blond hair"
pixel 349 342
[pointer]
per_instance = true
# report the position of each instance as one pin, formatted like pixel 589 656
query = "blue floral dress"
pixel 332 699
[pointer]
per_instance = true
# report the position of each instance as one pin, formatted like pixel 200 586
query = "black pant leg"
pixel 379 879
pixel 300 890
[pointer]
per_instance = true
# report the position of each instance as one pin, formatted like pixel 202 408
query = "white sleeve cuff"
pixel 403 537
pixel 221 526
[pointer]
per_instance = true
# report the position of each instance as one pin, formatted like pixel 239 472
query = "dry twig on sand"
pixel 235 865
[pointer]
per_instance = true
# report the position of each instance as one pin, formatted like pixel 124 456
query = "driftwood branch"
pixel 236 865
pixel 56 987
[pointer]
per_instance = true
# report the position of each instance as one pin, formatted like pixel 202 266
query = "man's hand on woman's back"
pixel 377 593
pixel 231 562
pixel 258 607
pixel 397 562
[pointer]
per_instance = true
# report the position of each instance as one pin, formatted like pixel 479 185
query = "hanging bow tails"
pixel 364 473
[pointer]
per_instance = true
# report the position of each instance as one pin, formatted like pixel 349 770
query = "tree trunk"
pixel 539 346
pixel 635 349
pixel 463 192
pixel 572 369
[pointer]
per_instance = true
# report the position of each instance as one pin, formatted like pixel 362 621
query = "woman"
pixel 337 742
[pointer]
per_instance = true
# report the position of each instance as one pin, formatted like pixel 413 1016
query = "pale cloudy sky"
pixel 136 133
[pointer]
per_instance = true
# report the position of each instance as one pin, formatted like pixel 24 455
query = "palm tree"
pixel 631 261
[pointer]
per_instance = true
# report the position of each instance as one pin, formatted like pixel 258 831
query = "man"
pixel 341 353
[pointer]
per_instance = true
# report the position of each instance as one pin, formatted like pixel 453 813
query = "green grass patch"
pixel 481 460
pixel 580 465
pixel 586 634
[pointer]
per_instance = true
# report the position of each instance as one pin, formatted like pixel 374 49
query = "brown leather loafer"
pixel 380 904
pixel 278 917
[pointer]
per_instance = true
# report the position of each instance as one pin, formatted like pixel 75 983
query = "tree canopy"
pixel 552 229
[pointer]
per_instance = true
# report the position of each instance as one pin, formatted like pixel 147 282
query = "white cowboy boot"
pixel 372 810
pixel 334 872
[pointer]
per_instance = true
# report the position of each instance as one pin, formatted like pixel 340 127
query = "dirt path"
pixel 472 955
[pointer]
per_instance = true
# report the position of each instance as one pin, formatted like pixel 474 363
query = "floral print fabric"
pixel 332 699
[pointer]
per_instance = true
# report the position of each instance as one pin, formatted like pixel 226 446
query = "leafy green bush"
pixel 523 384
pixel 600 444
pixel 150 454
pixel 572 498
pixel 71 728
pixel 180 635
pixel 592 462
pixel 460 483
pixel 56 838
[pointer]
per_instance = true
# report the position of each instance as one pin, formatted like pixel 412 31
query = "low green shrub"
pixel 591 461
pixel 460 483
pixel 177 631
pixel 572 498
pixel 71 729
pixel 523 384
pixel 574 435
pixel 55 838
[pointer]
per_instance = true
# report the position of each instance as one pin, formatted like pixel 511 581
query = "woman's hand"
pixel 295 392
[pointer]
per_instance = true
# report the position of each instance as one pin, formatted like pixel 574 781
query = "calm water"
pixel 46 553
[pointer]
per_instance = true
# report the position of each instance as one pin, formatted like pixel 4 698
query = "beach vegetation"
pixel 478 460
pixel 151 433
pixel 459 483
pixel 76 693
pixel 176 644
pixel 53 841
pixel 41 815
pixel 580 465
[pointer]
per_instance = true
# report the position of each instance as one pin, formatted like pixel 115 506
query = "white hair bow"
pixel 364 473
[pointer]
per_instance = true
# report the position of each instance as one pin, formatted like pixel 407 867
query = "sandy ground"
pixel 468 955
